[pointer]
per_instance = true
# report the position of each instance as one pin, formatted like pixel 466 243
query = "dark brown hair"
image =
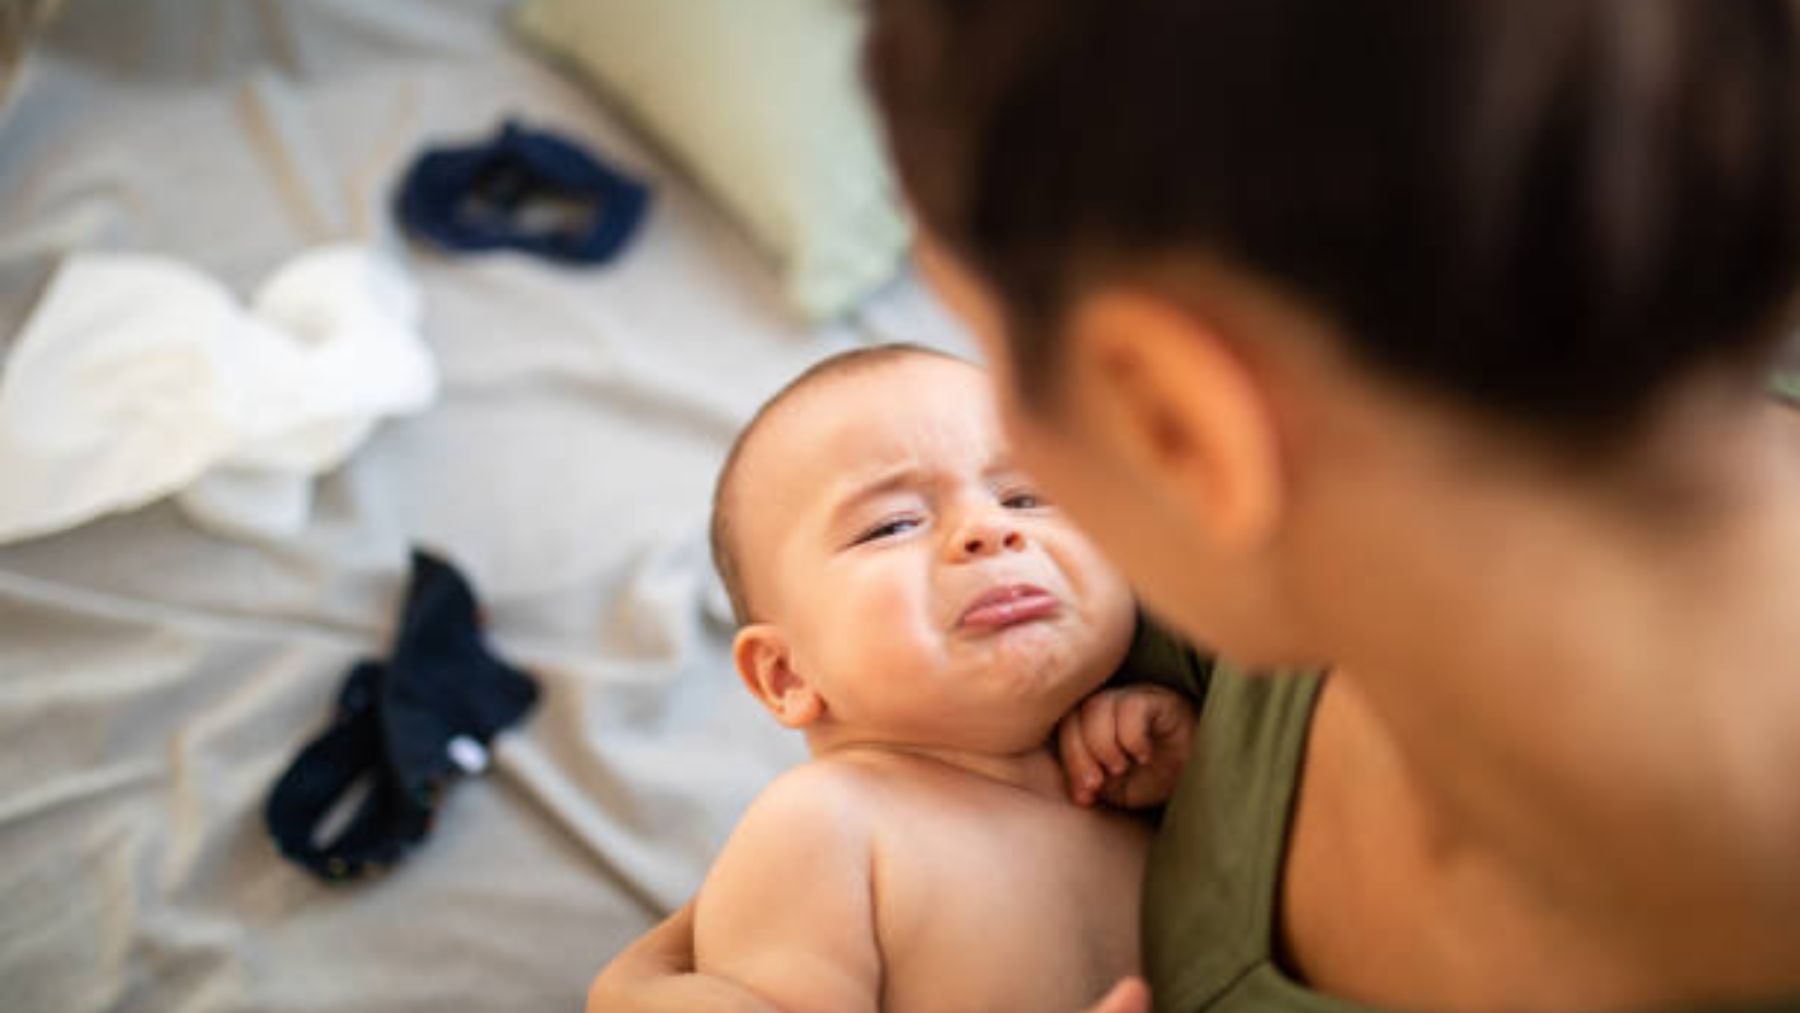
pixel 1548 210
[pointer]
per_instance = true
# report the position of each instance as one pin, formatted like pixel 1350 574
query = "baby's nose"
pixel 986 540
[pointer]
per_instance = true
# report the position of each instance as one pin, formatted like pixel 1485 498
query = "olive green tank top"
pixel 1215 867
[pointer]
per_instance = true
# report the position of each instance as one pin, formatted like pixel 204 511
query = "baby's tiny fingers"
pixel 1134 726
pixel 1085 775
pixel 1100 728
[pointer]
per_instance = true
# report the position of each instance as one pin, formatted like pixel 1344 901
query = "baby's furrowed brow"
pixel 1002 463
pixel 857 491
pixel 1005 473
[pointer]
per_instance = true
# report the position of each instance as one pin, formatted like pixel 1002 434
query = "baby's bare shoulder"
pixel 850 799
pixel 787 907
pixel 825 801
pixel 808 818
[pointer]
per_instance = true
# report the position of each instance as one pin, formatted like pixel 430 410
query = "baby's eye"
pixel 887 529
pixel 1022 501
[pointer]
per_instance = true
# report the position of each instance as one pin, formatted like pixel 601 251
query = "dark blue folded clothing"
pixel 525 190
pixel 409 726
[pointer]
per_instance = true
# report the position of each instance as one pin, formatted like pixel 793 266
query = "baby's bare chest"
pixel 993 904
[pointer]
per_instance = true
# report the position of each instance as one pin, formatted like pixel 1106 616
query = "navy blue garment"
pixel 409 725
pixel 525 190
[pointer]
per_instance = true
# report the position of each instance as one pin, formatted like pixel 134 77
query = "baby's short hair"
pixel 726 558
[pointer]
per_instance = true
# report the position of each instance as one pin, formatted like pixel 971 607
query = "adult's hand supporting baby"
pixel 1126 746
pixel 655 974
pixel 1130 995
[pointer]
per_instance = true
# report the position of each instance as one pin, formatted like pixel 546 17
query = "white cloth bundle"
pixel 139 376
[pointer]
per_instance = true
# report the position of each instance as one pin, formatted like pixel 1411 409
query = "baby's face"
pixel 916 579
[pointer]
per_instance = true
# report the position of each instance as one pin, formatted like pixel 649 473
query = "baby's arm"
pixel 787 910
pixel 1127 746
pixel 655 974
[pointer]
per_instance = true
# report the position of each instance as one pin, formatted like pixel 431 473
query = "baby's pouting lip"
pixel 1006 605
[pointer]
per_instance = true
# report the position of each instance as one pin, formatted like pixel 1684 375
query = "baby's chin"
pixel 1041 662
pixel 1028 705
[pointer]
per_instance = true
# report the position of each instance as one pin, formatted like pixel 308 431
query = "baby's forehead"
pixel 826 418
pixel 884 408
pixel 918 407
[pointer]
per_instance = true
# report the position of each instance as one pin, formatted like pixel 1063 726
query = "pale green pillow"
pixel 762 102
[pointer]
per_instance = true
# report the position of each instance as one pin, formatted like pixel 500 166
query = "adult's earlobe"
pixel 1178 403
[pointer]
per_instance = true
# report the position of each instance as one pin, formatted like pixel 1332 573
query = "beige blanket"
pixel 155 679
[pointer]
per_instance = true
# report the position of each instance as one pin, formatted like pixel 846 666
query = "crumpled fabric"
pixel 405 729
pixel 492 195
pixel 139 376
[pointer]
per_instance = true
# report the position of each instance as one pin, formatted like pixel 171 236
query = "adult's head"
pixel 897 579
pixel 1247 268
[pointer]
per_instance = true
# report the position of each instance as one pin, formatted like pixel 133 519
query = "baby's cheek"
pixel 885 607
pixel 1090 575
pixel 1106 598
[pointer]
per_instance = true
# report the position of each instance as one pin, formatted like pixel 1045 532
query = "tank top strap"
pixel 1215 870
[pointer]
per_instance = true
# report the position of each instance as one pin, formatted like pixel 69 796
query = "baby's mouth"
pixel 1008 605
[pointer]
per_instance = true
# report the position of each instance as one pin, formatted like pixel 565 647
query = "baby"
pixel 907 600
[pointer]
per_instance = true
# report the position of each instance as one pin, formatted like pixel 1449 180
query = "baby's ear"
pixel 764 662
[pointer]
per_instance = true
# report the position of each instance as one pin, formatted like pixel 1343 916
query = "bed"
pixel 156 678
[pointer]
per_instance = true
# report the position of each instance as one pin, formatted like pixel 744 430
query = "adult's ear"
pixel 1173 400
pixel 765 664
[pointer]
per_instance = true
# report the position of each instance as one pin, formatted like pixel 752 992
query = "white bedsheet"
pixel 154 679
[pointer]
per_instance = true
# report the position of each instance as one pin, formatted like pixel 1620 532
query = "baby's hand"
pixel 1126 746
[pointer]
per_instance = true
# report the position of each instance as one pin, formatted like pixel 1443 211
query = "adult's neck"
pixel 1595 684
